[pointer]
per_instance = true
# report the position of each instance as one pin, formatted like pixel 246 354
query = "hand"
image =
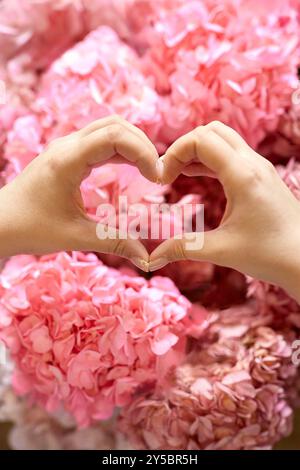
pixel 259 234
pixel 42 211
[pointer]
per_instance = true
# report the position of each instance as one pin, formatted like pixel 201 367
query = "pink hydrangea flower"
pixel 84 336
pixel 37 431
pixel 190 275
pixel 230 61
pixel 15 95
pixel 33 428
pixel 39 31
pixel 98 83
pixel 105 76
pixel 230 394
pixel 285 142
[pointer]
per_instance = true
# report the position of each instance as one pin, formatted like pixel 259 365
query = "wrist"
pixel 11 232
pixel 289 271
pixel 292 283
pixel 9 238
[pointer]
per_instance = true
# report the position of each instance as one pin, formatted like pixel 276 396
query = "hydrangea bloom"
pixel 35 429
pixel 230 394
pixel 10 404
pixel 190 275
pixel 231 61
pixel 15 94
pixel 84 336
pixel 33 34
pixel 197 54
pixel 105 75
pixel 38 30
pixel 108 82
pixel 285 142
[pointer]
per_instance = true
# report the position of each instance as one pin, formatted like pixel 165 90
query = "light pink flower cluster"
pixel 234 56
pixel 230 393
pixel 87 337
pixel 33 428
pixel 38 431
pixel 41 30
pixel 229 60
pixel 108 81
pixel 105 76
pixel 15 94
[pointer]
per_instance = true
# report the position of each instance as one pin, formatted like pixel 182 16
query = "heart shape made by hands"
pixel 203 151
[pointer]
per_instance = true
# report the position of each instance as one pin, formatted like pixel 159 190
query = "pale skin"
pixel 41 211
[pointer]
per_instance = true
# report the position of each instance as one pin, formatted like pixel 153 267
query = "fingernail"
pixel 158 264
pixel 159 170
pixel 141 264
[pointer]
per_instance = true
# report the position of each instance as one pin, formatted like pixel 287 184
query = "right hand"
pixel 259 234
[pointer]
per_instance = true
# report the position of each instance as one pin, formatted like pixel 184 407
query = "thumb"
pixel 206 246
pixel 92 236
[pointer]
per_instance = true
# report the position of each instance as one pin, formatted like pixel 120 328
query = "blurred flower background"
pixel 196 357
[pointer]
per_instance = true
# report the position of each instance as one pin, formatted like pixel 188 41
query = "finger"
pixel 114 119
pixel 210 246
pixel 201 145
pixel 198 169
pixel 233 138
pixel 91 236
pixel 99 124
pixel 115 140
pixel 115 160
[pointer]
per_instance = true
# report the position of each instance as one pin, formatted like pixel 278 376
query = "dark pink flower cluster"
pixel 231 393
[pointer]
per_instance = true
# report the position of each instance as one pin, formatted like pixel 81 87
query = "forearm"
pixel 19 224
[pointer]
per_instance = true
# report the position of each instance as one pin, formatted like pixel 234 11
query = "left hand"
pixel 41 210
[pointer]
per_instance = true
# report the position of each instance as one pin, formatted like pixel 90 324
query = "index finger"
pixel 115 119
pixel 107 142
pixel 202 145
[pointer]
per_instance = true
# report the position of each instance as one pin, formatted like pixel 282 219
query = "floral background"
pixel 100 356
